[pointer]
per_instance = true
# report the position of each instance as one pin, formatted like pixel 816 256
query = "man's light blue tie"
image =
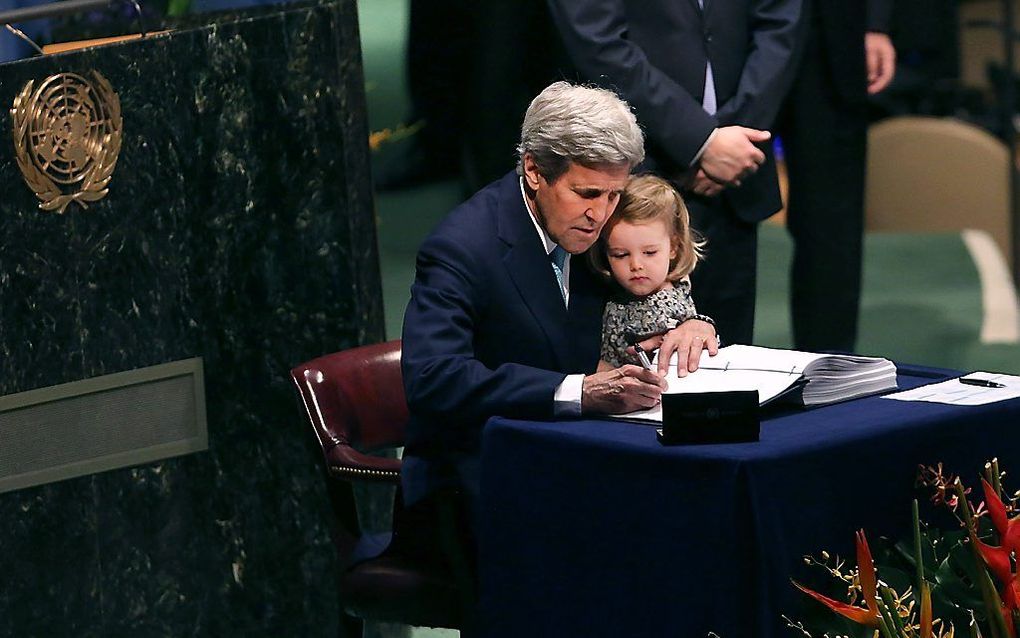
pixel 558 257
pixel 709 102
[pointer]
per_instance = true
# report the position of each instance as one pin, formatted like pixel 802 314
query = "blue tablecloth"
pixel 592 528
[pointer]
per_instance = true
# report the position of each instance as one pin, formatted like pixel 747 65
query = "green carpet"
pixel 921 301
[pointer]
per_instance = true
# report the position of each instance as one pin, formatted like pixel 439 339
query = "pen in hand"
pixel 633 338
pixel 983 383
pixel 642 357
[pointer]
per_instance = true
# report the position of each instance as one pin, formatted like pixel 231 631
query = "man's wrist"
pixel 567 398
pixel 701 151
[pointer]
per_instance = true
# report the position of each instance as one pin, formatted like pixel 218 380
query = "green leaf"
pixel 176 8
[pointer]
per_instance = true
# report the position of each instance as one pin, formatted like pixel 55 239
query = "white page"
pixel 768 384
pixel 953 392
pixel 756 357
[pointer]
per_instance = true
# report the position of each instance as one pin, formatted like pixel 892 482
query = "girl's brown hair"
pixel 649 198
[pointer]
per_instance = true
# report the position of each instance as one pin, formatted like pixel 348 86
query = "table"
pixel 592 528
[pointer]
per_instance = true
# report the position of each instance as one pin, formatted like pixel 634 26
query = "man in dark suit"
pixel 503 319
pixel 824 128
pixel 705 78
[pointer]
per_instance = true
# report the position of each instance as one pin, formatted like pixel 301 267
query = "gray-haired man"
pixel 502 320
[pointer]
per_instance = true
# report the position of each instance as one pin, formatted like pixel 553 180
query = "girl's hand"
pixel 688 340
pixel 649 345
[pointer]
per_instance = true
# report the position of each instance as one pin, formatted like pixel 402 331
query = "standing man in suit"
pixel 824 128
pixel 706 77
pixel 503 319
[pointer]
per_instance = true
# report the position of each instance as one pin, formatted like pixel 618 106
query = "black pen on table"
pixel 982 383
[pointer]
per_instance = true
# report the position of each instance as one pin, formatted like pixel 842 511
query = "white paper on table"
pixel 707 379
pixel 953 392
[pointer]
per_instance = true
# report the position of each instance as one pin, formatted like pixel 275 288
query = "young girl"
pixel 648 249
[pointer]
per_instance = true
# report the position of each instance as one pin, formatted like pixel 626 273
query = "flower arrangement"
pixel 941 584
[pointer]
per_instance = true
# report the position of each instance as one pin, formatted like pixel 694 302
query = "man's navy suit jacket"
pixel 486 331
pixel 655 52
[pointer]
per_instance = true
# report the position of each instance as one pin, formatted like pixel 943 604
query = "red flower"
pixel 998 559
pixel 866 571
pixel 1009 529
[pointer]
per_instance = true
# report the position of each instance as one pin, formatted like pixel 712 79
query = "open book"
pixel 802 378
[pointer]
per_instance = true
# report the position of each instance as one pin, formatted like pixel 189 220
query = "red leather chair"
pixel 354 402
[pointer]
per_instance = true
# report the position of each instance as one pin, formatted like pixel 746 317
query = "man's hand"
pixel 621 390
pixel 880 57
pixel 731 154
pixel 688 340
pixel 703 185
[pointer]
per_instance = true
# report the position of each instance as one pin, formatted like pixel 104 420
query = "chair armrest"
pixel 345 462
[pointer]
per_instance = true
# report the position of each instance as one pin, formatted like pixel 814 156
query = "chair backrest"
pixel 354 400
pixel 937 174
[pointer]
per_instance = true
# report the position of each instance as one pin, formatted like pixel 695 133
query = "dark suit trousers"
pixel 723 284
pixel 824 139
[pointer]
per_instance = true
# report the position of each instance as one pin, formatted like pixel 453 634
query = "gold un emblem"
pixel 67 135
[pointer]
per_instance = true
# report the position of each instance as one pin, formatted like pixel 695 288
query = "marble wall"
pixel 239 228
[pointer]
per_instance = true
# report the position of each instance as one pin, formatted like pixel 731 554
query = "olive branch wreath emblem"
pixel 41 129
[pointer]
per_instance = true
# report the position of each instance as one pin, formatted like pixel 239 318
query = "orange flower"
pixel 926 621
pixel 866 568
pixel 861 616
pixel 869 588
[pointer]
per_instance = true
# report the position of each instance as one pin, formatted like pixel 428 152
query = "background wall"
pixel 239 228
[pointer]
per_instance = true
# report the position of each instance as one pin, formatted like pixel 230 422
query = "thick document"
pixel 788 376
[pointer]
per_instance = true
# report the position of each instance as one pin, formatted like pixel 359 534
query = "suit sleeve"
pixel 595 35
pixel 777 37
pixel 879 15
pixel 443 379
